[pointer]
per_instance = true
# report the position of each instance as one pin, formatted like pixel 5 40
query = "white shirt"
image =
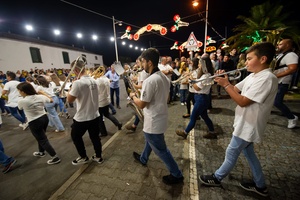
pixel 33 106
pixel 165 67
pixel 155 91
pixel 13 93
pixel 250 121
pixel 288 59
pixel 104 91
pixel 194 75
pixel 48 90
pixel 204 88
pixel 87 98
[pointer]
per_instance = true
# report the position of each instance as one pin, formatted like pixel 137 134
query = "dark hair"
pixel 195 62
pixel 208 64
pixel 151 54
pixel 263 49
pixel 42 81
pixel 27 88
pixel 12 75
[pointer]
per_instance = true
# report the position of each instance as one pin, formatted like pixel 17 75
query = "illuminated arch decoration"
pixel 224 45
pixel 127 33
pixel 178 23
pixel 162 30
pixel 175 46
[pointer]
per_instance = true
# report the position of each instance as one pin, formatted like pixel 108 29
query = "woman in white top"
pixel 33 105
pixel 201 102
pixel 46 89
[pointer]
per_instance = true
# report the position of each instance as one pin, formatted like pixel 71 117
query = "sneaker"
pixel 209 180
pixel 80 161
pixel 182 104
pixel 24 126
pixel 39 154
pixel 186 115
pixel 59 130
pixel 98 160
pixel 252 188
pixel 54 160
pixel 137 157
pixel 130 127
pixel 68 116
pixel 8 167
pixel 120 126
pixel 181 133
pixel 170 179
pixel 210 135
pixel 292 123
pixel 61 114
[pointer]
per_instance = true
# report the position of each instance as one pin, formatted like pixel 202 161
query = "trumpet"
pixel 233 75
pixel 181 78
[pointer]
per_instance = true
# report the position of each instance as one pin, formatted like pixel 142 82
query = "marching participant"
pixel 104 101
pixel 153 101
pixel 201 102
pixel 85 92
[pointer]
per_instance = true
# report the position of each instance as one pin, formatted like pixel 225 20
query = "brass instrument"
pixel 183 76
pixel 3 96
pixel 233 75
pixel 80 62
pixel 131 103
pixel 98 72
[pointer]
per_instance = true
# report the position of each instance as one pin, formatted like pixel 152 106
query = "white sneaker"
pixel 24 126
pixel 182 104
pixel 292 123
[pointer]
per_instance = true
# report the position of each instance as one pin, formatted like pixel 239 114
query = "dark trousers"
pixel 104 111
pixel 189 99
pixel 79 129
pixel 278 103
pixel 102 126
pixel 38 129
pixel 3 107
pixel 112 92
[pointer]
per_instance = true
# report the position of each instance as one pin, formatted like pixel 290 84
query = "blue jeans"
pixel 156 142
pixel 3 107
pixel 18 114
pixel 136 120
pixel 113 110
pixel 236 146
pixel 200 108
pixel 112 92
pixel 61 105
pixel 278 103
pixel 4 159
pixel 52 114
pixel 183 94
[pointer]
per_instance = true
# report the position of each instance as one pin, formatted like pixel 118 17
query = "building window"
pixel 66 57
pixel 96 57
pixel 35 55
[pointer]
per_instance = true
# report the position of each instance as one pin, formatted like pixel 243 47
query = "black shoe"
pixel 103 135
pixel 170 179
pixel 210 135
pixel 209 180
pixel 113 113
pixel 137 157
pixel 252 188
pixel 120 126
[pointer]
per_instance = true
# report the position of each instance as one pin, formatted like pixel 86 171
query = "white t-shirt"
pixel 204 88
pixel 49 90
pixel 104 91
pixel 194 75
pixel 288 59
pixel 87 98
pixel 142 76
pixel 250 121
pixel 33 106
pixel 155 91
pixel 13 93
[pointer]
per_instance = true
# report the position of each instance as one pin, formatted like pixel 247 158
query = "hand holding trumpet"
pixel 220 80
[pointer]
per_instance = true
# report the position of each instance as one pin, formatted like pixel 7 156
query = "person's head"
pixel 208 64
pixel 259 56
pixel 163 60
pixel 226 57
pixel 25 89
pixel 55 79
pixel 42 81
pixel 150 59
pixel 195 63
pixel 285 45
pixel 10 76
pixel 79 69
pixel 212 56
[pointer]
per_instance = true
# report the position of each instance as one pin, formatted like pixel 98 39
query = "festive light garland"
pixel 162 30
pixel 127 33
pixel 178 23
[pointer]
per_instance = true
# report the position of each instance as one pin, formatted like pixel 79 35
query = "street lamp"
pixel 195 4
pixel 115 37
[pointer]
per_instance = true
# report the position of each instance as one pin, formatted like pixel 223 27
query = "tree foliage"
pixel 267 22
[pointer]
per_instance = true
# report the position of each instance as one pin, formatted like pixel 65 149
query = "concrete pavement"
pixel 120 177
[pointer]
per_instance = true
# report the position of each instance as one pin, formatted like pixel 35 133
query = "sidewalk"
pixel 120 177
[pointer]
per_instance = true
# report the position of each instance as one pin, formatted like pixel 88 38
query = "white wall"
pixel 15 55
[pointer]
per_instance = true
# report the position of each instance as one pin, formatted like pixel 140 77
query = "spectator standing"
pixel 114 86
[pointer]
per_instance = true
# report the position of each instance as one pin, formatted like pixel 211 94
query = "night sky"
pixel 91 17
